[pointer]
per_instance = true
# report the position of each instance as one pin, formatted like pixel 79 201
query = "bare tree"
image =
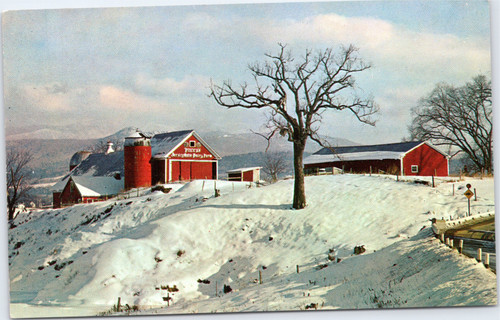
pixel 274 165
pixel 458 118
pixel 310 85
pixel 18 184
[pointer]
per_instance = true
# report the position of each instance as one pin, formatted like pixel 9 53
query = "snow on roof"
pixel 59 186
pixel 400 147
pixel 97 186
pixel 163 143
pixel 243 169
pixel 374 155
pixel 101 164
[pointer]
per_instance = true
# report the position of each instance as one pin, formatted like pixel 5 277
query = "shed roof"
pixel 243 169
pixel 97 186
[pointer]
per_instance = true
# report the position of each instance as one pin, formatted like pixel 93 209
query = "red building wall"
pixel 137 166
pixel 248 176
pixel 429 161
pixel 362 166
pixel 56 200
pixel 189 162
pixel 70 194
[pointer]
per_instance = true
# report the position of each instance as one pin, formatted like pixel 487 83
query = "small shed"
pixel 244 174
pixel 415 158
pixel 85 189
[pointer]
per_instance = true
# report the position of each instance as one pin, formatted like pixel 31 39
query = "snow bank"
pixel 192 241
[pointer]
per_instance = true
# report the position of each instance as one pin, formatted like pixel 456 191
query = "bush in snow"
pixel 359 249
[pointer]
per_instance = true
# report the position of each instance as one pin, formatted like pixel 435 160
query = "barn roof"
pixel 97 186
pixel 394 151
pixel 390 147
pixel 101 164
pixel 165 143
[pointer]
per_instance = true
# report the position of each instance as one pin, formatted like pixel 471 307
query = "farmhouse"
pixel 244 174
pixel 145 161
pixel 414 158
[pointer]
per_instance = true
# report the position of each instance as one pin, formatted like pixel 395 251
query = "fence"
pixel 480 250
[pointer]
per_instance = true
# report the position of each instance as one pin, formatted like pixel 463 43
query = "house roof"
pixel 97 186
pixel 394 151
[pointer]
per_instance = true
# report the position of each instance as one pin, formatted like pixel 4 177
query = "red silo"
pixel 137 154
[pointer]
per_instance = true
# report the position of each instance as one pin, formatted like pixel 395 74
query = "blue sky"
pixel 100 70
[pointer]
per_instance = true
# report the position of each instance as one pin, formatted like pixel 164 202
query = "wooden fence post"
pixel 118 304
pixel 475 194
pixel 461 246
pixel 453 189
pixel 487 260
pixel 298 269
pixel 451 243
pixel 260 277
pixel 447 241
pixel 479 254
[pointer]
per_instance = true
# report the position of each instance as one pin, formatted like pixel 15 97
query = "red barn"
pixel 182 156
pixel 145 161
pixel 414 158
pixel 77 189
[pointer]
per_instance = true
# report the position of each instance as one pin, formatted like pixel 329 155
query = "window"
pixel 414 169
pixel 192 144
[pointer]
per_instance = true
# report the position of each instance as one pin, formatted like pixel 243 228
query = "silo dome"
pixel 137 139
pixel 77 158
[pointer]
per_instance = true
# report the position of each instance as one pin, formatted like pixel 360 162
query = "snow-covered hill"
pixel 189 252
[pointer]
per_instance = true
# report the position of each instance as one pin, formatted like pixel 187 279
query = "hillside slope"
pixel 135 248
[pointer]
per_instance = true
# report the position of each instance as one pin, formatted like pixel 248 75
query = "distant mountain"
pixel 51 156
pixel 73 131
pixel 230 144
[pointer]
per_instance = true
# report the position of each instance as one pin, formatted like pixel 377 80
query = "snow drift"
pixel 187 251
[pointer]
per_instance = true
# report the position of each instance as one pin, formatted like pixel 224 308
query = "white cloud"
pixel 49 97
pixel 164 86
pixel 125 100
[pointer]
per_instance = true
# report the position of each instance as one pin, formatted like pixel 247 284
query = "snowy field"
pixel 189 252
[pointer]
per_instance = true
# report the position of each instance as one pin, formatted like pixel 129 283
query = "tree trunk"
pixel 299 190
